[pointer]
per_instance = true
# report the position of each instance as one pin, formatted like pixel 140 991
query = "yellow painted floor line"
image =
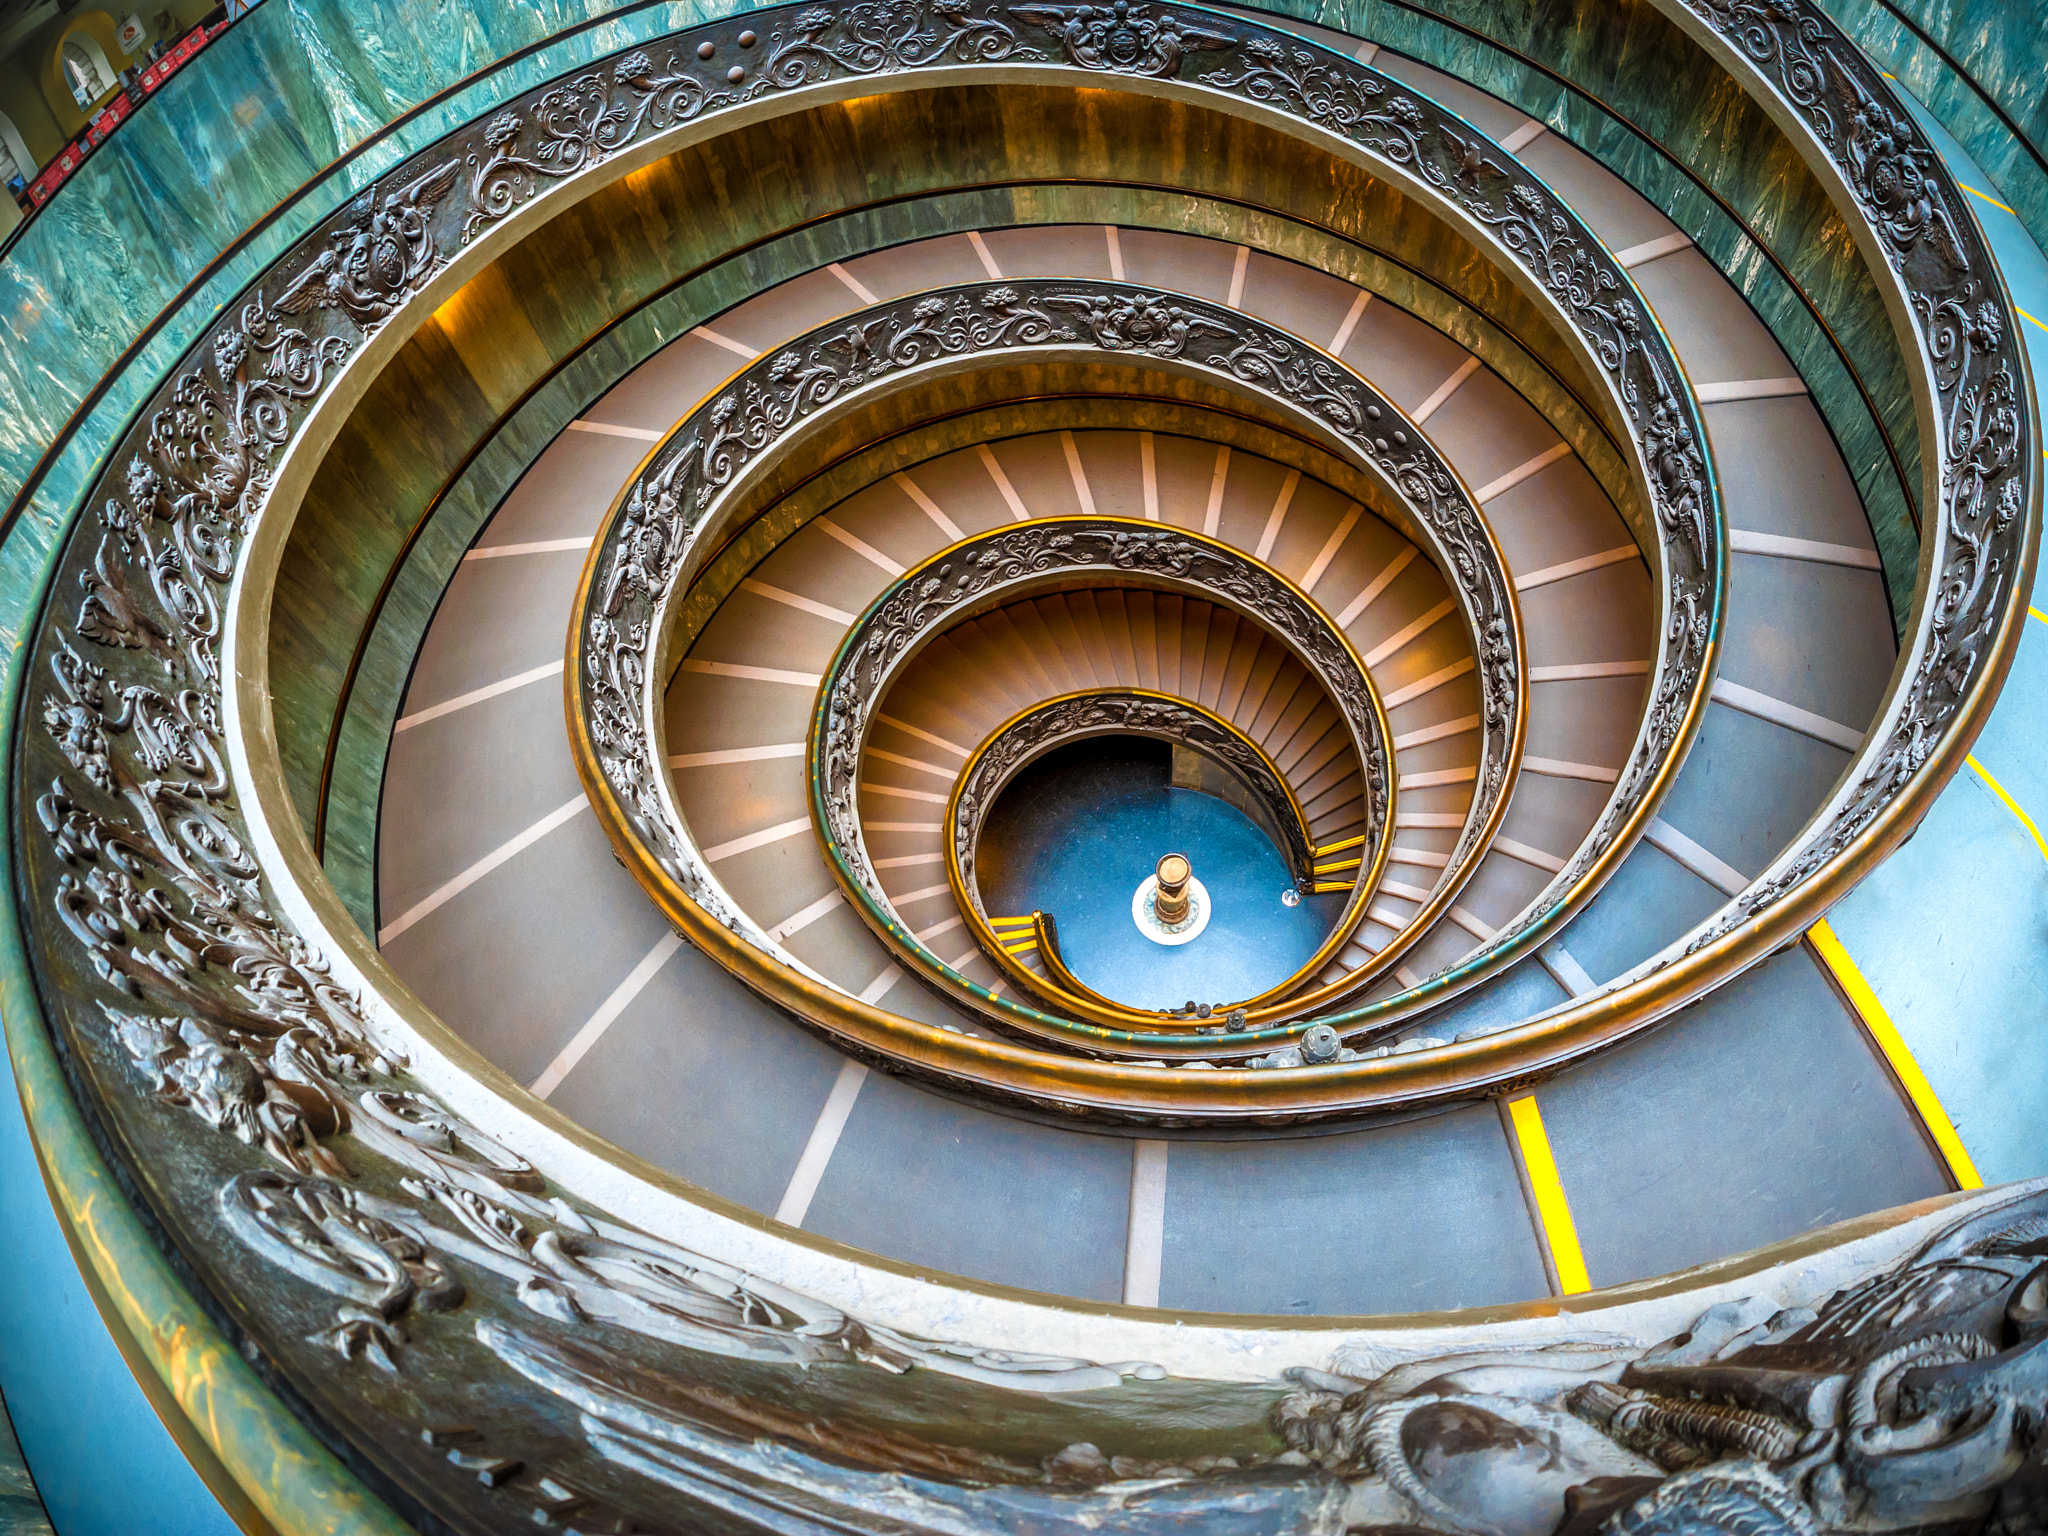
pixel 2011 804
pixel 1994 202
pixel 1896 1052
pixel 2023 314
pixel 1552 1208
pixel 2037 613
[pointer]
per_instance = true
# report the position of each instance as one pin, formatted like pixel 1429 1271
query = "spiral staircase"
pixel 564 627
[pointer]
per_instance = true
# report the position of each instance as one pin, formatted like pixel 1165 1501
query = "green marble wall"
pixel 146 244
pixel 1997 53
pixel 1648 104
pixel 545 302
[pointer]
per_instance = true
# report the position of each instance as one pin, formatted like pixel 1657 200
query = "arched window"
pixel 86 70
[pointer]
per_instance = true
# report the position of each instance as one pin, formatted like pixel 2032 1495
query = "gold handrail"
pixel 1058 986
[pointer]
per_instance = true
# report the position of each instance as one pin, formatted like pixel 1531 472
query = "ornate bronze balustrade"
pixel 425 1283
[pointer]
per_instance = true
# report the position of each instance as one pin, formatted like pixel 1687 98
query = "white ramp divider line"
pixel 1407 977
pixel 925 936
pixel 1791 716
pixel 930 508
pixel 797 922
pixel 753 840
pixel 910 730
pixel 751 674
pixel 1748 389
pixel 878 989
pixel 859 546
pixel 1437 778
pixel 1743 542
pixel 1148 464
pixel 437 898
pixel 988 262
pixel 1367 53
pixel 1528 855
pixel 1429 733
pixel 961 962
pixel 1279 514
pixel 925 894
pixel 1521 472
pixel 1213 518
pixel 854 285
pixel 899 826
pixel 1352 316
pixel 1582 671
pixel 912 762
pixel 910 860
pixel 1420 856
pixel 1009 491
pixel 894 793
pixel 1409 633
pixel 606 429
pixel 477 696
pixel 1566 971
pixel 1237 271
pixel 1558 768
pixel 1415 893
pixel 1429 684
pixel 1331 545
pixel 726 755
pixel 1630 257
pixel 607 1012
pixel 792 600
pixel 1375 587
pixel 1472 923
pixel 537 547
pixel 1387 918
pixel 1116 252
pixel 1081 492
pixel 1418 820
pixel 1524 136
pixel 1445 390
pixel 1721 875
pixel 817 1153
pixel 1145 1233
pixel 739 347
pixel 1578 567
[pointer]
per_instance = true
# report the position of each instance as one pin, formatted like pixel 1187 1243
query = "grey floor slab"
pixel 1781 472
pixel 1756 1115
pixel 1405 1218
pixel 702 1078
pixel 1650 901
pixel 565 492
pixel 1818 636
pixel 518 961
pixel 498 618
pixel 929 1181
pixel 459 786
pixel 1749 786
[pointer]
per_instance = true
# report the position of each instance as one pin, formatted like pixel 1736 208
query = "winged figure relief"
pixel 1123 38
pixel 382 250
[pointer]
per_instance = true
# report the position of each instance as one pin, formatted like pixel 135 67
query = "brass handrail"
pixel 965 578
pixel 1159 715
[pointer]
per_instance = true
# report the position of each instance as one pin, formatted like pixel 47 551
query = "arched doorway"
pixel 85 69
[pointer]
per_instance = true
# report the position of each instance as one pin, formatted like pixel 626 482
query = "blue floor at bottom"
pixel 1077 832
